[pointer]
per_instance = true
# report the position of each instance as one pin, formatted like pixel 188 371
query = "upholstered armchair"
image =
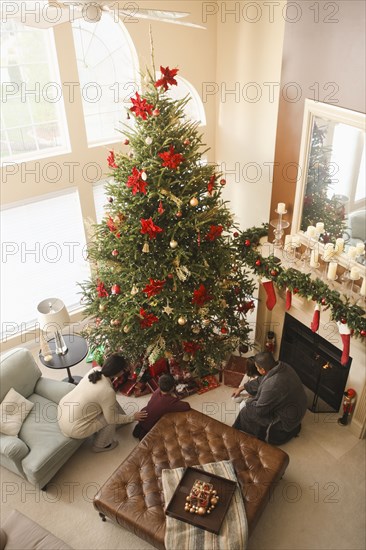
pixel 39 449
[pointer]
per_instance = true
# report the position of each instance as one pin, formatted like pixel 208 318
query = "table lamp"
pixel 53 316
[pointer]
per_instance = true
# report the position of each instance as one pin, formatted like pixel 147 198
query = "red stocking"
pixel 271 296
pixel 288 298
pixel 345 333
pixel 316 318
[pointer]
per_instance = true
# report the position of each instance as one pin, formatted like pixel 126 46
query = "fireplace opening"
pixel 317 362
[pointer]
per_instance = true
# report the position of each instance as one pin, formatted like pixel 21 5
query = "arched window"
pixel 33 122
pixel 195 110
pixel 108 73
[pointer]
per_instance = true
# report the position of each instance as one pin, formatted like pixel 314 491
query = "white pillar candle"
pixel 320 227
pixel 352 252
pixel 311 231
pixel 328 252
pixel 281 208
pixel 339 245
pixel 354 274
pixel 332 271
pixel 314 258
pixel 363 287
pixel 360 248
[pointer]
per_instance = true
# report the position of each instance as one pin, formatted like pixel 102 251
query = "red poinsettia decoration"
pixel 171 159
pixel 135 182
pixel 211 184
pixel 141 107
pixel 148 227
pixel 214 233
pixel 111 160
pixel 191 347
pixel 147 319
pixel 167 77
pixel 200 296
pixel 112 226
pixel 155 287
pixel 101 290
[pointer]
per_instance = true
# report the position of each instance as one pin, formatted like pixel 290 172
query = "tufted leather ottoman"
pixel 132 497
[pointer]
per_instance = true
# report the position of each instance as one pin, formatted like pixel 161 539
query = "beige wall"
pixel 249 56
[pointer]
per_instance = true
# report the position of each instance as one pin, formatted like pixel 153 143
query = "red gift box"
pixel 128 387
pixel 159 367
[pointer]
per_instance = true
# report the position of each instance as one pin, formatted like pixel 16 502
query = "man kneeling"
pixel 279 402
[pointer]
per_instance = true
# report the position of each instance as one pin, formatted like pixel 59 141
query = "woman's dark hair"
pixel 251 369
pixel 112 366
pixel 166 383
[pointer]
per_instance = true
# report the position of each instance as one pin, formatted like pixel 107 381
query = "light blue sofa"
pixel 40 449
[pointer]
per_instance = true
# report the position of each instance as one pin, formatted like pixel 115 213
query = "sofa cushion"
pixel 14 409
pixel 19 371
pixel 48 446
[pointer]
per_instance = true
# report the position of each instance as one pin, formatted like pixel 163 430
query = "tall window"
pixel 43 254
pixel 194 109
pixel 33 123
pixel 108 73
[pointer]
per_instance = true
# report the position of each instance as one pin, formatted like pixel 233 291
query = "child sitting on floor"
pixel 240 395
pixel 162 401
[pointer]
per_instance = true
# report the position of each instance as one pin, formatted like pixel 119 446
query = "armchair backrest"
pixel 18 370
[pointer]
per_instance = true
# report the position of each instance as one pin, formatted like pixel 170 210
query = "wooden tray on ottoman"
pixel 234 371
pixel 225 489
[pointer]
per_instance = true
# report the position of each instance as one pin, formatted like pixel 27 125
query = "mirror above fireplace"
pixel 331 184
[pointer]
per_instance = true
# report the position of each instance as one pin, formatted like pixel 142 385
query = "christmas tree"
pixel 168 279
pixel 318 206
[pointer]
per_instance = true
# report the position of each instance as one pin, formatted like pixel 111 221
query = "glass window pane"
pixel 109 75
pixel 32 93
pixel 43 254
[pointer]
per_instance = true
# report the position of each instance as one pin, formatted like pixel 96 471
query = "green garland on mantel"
pixel 299 283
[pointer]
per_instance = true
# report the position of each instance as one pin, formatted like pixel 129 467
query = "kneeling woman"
pixel 92 408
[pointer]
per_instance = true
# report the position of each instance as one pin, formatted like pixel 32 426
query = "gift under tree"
pixel 168 280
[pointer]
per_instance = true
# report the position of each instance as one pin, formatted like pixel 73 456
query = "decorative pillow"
pixel 14 409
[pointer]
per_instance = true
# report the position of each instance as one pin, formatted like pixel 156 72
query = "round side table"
pixel 77 349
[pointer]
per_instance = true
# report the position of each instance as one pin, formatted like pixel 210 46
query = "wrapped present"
pixel 234 370
pixel 128 387
pixel 141 388
pixel 207 383
pixel 159 367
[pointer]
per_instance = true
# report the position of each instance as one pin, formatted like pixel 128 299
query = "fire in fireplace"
pixel 317 362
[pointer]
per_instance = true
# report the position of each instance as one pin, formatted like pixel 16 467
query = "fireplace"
pixel 317 362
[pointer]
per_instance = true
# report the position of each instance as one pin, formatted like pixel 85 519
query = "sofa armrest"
pixel 23 532
pixel 13 448
pixel 54 390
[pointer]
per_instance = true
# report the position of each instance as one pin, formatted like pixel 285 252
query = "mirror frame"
pixel 337 114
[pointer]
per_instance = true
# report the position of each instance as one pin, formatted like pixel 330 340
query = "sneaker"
pixel 109 447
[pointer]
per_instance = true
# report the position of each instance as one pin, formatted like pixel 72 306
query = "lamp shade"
pixel 52 314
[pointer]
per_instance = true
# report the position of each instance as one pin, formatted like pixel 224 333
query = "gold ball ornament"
pixel 193 201
pixel 173 244
pixel 201 511
pixel 214 501
pixel 196 329
pixel 126 329
pixel 102 307
pixel 182 321
pixel 192 510
pixel 206 322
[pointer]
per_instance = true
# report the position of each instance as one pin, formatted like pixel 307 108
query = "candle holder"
pixel 327 260
pixel 353 278
pixel 345 277
pixel 310 244
pixel 279 226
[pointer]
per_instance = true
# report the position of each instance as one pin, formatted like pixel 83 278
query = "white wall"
pixel 249 57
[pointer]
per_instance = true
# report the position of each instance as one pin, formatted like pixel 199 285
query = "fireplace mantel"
pixel 303 310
